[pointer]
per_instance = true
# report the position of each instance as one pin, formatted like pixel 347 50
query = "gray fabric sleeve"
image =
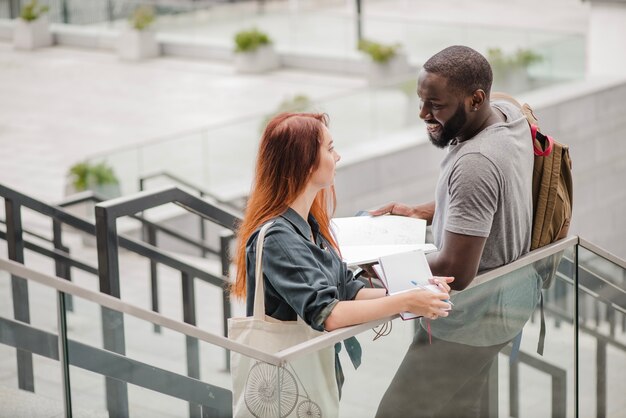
pixel 474 187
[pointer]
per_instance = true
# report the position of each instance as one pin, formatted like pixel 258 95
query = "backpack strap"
pixel 542 331
pixel 542 144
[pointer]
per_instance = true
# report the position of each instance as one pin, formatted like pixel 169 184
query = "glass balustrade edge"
pixel 602 253
pixel 526 260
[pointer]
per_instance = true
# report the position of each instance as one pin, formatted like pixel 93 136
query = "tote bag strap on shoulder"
pixel 259 288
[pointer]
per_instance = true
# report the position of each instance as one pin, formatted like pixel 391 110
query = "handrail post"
pixel 112 321
pixel 19 287
pixel 61 267
pixel 576 318
pixel 225 239
pixel 600 378
pixel 193 353
pixel 151 237
pixel 66 387
pixel 514 388
pixel 202 230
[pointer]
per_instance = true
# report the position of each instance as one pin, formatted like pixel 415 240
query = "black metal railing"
pixel 15 201
pixel 214 400
pixel 149 235
pixel 107 237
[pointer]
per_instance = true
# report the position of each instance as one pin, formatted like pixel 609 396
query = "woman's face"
pixel 324 175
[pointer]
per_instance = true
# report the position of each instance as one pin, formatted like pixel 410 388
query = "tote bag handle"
pixel 259 288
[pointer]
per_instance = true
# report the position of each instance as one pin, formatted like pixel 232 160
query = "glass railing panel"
pixel 30 380
pixel 230 153
pixel 184 156
pixel 152 374
pixel 473 362
pixel 602 335
pixel 122 368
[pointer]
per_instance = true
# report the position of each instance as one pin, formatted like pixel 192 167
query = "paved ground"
pixel 59 105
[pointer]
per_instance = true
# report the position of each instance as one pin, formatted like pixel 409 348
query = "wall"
pixel 589 116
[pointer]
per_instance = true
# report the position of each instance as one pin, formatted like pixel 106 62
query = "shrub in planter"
pixel 254 52
pixel 510 71
pixel 138 41
pixel 378 52
pixel 31 29
pixel 97 177
pixel 387 61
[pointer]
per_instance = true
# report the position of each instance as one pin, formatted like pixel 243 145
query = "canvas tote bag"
pixel 305 387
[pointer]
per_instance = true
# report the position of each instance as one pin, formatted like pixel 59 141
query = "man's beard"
pixel 451 129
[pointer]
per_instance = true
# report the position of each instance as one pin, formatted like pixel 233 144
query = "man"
pixel 481 219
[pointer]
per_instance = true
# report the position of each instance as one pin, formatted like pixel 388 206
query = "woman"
pixel 303 272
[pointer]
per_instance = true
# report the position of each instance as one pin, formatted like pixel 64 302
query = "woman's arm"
pixel 371 304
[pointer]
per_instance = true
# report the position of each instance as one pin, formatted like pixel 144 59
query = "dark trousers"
pixel 442 379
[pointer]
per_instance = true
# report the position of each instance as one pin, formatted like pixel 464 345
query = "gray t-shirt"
pixel 485 189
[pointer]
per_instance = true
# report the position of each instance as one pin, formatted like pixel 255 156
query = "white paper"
pixel 363 239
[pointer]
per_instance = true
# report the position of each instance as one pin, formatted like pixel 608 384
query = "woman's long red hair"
pixel 288 154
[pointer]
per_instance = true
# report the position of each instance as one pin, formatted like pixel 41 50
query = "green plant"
pixel 142 17
pixel 380 53
pixel 84 175
pixel 250 40
pixel 522 58
pixel 33 10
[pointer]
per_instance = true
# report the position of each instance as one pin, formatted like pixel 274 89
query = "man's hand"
pixel 424 211
pixel 393 208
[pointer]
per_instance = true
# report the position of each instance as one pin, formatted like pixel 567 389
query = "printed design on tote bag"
pixel 273 391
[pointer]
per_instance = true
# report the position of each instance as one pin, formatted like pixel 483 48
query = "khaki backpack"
pixel 552 201
pixel 552 182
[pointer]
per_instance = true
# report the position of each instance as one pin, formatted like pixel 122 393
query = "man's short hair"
pixel 465 69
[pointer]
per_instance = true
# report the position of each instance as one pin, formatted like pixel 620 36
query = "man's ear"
pixel 478 99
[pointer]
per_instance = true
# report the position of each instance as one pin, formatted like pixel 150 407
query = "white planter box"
pixel 136 45
pixel 259 61
pixel 32 35
pixel 395 68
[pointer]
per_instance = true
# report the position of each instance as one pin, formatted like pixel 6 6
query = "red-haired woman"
pixel 303 272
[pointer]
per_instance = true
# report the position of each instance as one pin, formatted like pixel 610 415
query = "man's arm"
pixel 459 258
pixel 423 211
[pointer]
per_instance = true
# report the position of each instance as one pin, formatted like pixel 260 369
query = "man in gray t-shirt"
pixel 482 219
pixel 484 189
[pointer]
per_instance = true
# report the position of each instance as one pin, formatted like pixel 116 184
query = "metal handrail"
pixel 130 244
pixel 111 302
pixel 278 358
pixel 335 336
pixel 602 253
pixel 201 192
pixel 90 196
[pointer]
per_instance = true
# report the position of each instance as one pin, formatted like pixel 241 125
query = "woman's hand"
pixel 441 282
pixel 428 304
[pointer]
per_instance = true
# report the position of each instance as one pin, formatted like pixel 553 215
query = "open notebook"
pixel 363 239
pixel 401 272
